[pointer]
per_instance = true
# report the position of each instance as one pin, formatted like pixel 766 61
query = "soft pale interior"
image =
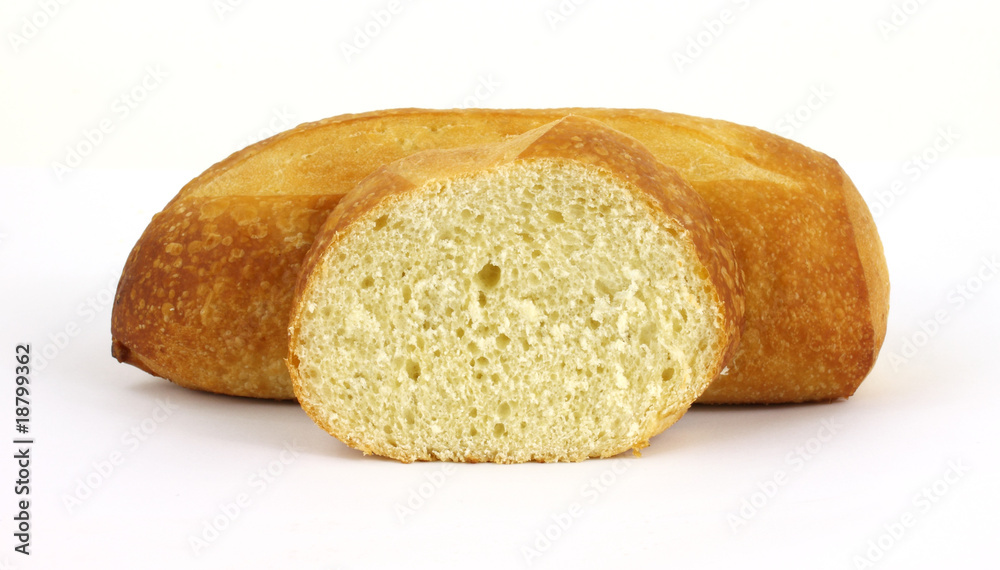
pixel 539 311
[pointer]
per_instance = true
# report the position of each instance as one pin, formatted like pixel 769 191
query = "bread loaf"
pixel 553 297
pixel 206 292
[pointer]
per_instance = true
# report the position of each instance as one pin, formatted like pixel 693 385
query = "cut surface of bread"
pixel 205 294
pixel 555 297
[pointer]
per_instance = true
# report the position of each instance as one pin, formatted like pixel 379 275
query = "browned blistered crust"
pixel 816 278
pixel 670 200
pixel 205 308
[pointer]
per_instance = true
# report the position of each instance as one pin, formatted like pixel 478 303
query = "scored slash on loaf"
pixel 557 296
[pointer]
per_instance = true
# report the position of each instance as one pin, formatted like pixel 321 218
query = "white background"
pixel 916 444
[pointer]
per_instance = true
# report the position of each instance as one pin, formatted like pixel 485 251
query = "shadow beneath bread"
pixel 711 426
pixel 728 426
pixel 212 418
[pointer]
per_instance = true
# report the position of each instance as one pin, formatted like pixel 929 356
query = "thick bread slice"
pixel 205 293
pixel 557 296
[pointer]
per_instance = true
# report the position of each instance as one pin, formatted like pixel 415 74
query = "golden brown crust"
pixel 812 331
pixel 200 262
pixel 817 289
pixel 671 201
pixel 873 265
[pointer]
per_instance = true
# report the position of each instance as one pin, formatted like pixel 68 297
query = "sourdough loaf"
pixel 206 292
pixel 556 296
